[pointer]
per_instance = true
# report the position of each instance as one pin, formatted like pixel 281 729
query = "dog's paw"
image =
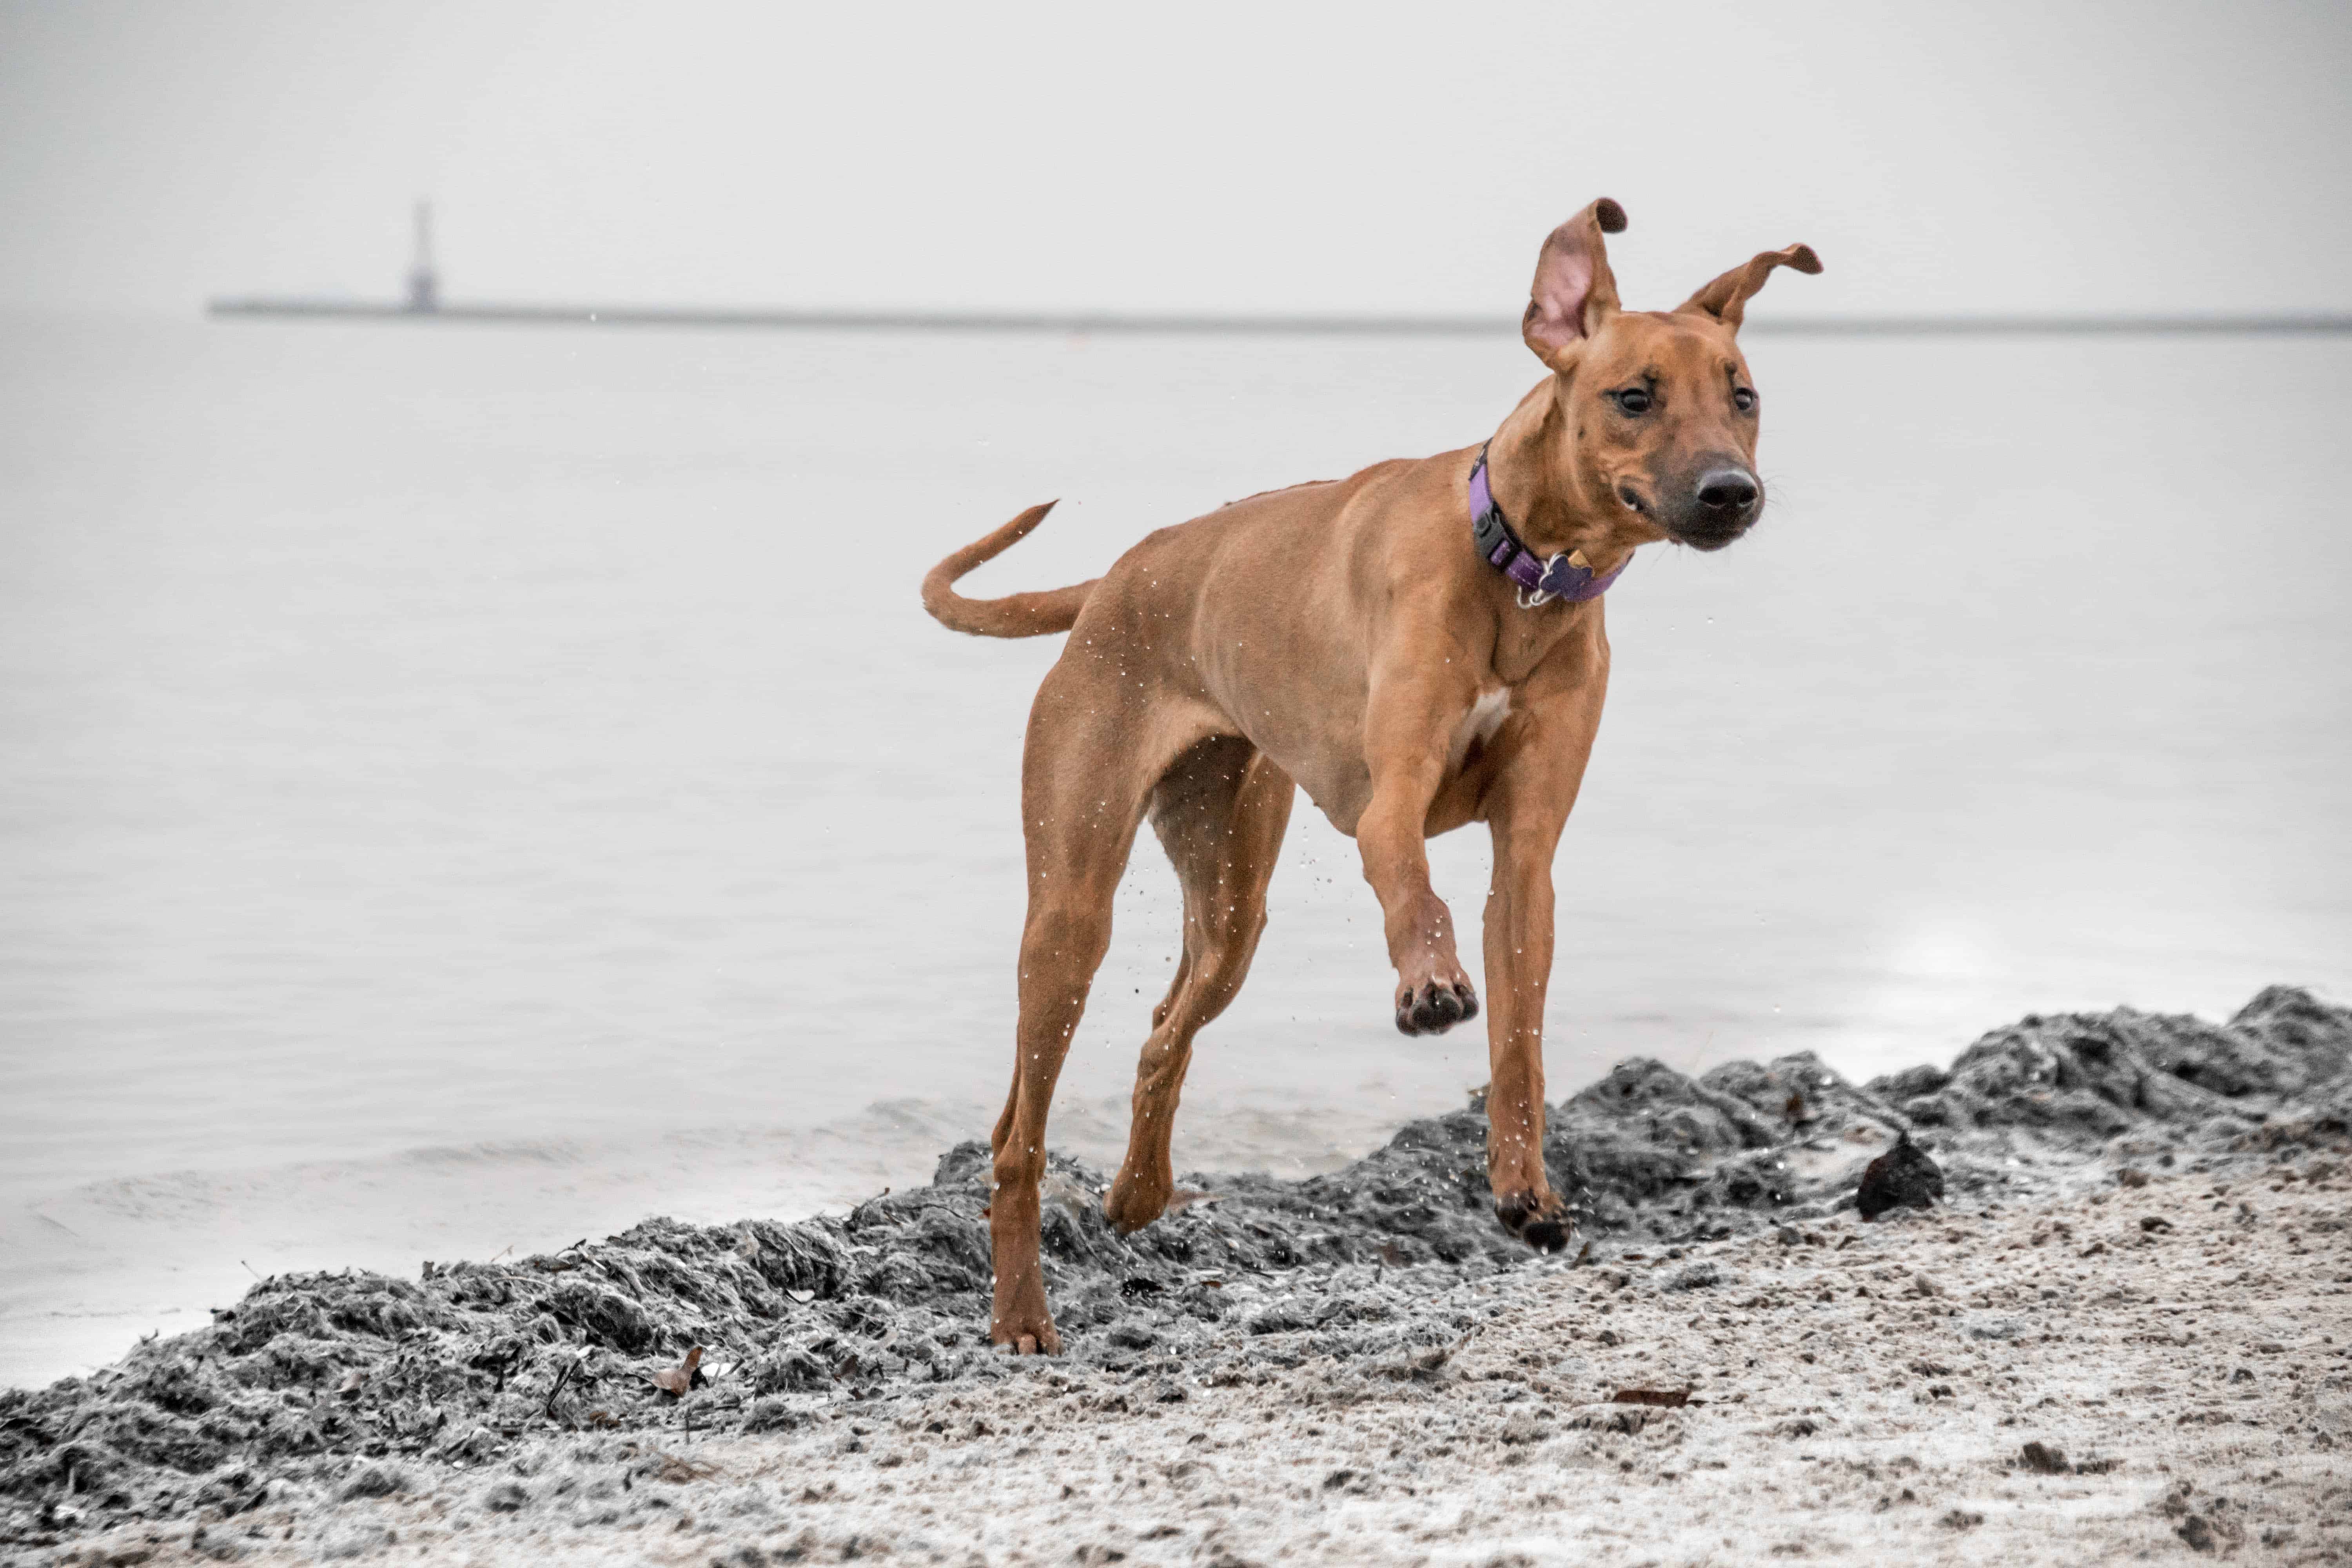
pixel 1434 1007
pixel 1542 1223
pixel 1134 1202
pixel 1019 1322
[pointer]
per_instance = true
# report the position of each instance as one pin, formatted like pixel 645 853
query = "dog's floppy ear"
pixel 1574 291
pixel 1727 298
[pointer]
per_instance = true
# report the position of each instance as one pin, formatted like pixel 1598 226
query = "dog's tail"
pixel 1013 615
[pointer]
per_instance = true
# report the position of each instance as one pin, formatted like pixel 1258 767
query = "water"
pixel 462 788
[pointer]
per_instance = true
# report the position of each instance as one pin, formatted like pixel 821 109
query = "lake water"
pixel 468 787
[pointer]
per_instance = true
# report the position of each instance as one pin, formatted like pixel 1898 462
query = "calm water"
pixel 468 787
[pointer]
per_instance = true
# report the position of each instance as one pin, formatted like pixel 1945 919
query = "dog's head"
pixel 1659 414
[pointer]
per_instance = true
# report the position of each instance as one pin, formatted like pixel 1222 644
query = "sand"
pixel 1869 1392
pixel 2125 1332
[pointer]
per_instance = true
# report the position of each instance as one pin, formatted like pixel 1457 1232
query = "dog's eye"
pixel 1743 400
pixel 1633 400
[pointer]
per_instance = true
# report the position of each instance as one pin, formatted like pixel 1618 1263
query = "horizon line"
pixel 1081 324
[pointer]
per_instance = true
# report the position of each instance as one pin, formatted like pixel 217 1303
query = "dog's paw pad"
pixel 1551 1235
pixel 1435 1008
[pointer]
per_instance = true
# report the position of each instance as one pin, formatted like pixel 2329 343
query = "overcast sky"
pixel 1986 156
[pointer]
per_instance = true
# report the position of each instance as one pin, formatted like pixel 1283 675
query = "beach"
pixel 2113 1323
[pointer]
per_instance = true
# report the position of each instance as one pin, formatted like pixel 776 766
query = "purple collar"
pixel 1539 581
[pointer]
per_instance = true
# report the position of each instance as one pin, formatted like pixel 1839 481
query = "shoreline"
pixel 322 1401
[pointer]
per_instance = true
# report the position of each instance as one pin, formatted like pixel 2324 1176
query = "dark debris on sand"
pixel 1903 1177
pixel 331 1379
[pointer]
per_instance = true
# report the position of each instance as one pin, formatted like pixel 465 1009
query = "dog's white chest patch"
pixel 1479 724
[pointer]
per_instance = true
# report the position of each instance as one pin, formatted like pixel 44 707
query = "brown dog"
pixel 1353 637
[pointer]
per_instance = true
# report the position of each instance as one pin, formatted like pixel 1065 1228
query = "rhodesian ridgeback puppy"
pixel 1418 646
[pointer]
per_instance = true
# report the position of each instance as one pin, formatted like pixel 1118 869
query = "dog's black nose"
pixel 1726 491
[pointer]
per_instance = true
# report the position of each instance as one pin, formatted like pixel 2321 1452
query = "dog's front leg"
pixel 1410 721
pixel 1519 939
pixel 1526 808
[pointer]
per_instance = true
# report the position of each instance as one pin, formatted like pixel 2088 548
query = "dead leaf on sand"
pixel 1184 1198
pixel 677 1471
pixel 1665 1398
pixel 1075 1198
pixel 675 1380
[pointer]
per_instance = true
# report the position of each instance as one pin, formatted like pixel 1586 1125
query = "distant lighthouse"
pixel 423 283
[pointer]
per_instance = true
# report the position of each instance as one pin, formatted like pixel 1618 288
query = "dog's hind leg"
pixel 1220 811
pixel 1093 755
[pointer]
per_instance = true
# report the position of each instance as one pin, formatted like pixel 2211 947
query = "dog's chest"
pixel 1478 725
